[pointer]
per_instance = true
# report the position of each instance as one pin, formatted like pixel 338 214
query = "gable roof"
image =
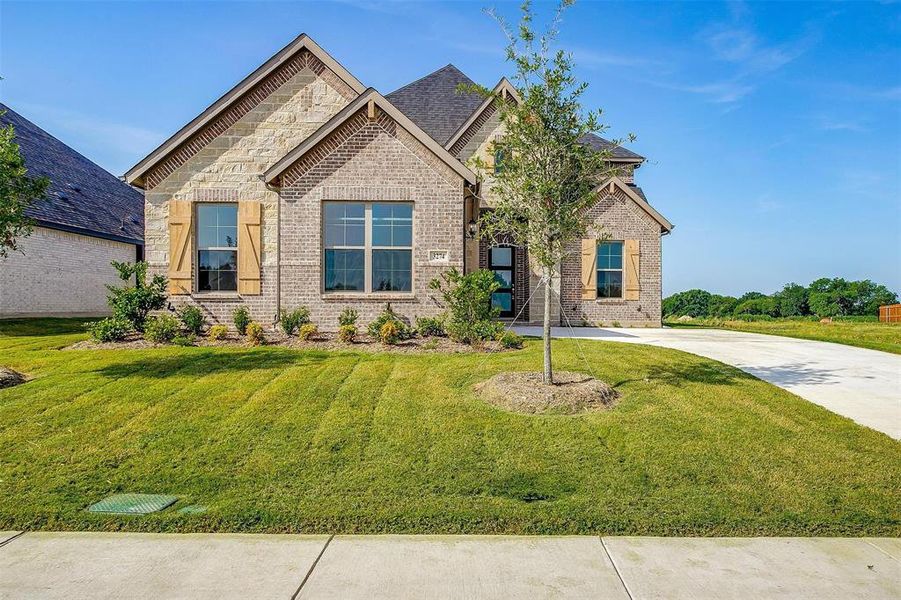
pixel 433 103
pixel 82 197
pixel 637 195
pixel 616 152
pixel 503 87
pixel 348 111
pixel 301 42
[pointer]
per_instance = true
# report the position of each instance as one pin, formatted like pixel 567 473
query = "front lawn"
pixel 864 334
pixel 282 440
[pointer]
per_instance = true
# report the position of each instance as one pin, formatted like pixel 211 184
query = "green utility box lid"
pixel 133 504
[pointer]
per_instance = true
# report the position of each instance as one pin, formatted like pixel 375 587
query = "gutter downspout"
pixel 278 247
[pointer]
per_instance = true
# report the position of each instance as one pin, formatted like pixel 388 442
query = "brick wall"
pixel 224 164
pixel 368 161
pixel 621 219
pixel 60 273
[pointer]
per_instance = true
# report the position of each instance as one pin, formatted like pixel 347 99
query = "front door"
pixel 500 260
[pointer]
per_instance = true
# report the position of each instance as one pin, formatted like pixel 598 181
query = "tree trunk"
pixel 548 376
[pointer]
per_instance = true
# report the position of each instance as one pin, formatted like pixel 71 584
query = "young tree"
pixel 549 177
pixel 17 192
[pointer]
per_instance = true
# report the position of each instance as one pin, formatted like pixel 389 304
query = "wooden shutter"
pixel 589 269
pixel 631 266
pixel 181 227
pixel 249 249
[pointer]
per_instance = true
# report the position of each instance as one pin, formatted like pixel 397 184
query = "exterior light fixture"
pixel 472 228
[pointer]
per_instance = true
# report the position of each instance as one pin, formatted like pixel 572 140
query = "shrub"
pixel 111 329
pixel 134 302
pixel 308 331
pixel 241 319
pixel 187 339
pixel 468 299
pixel 389 316
pixel 389 333
pixel 347 333
pixel 430 326
pixel 510 340
pixel 348 316
pixel 218 332
pixel 161 329
pixel 290 321
pixel 255 335
pixel 192 319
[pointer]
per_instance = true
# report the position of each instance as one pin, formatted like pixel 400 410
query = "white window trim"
pixel 367 249
pixel 198 249
pixel 620 270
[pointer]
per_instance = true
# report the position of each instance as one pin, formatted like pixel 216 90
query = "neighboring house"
pixel 88 219
pixel 300 186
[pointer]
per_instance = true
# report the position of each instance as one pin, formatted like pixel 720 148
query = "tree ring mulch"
pixel 9 378
pixel 524 392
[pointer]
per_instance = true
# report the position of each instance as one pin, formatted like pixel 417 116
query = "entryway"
pixel 500 261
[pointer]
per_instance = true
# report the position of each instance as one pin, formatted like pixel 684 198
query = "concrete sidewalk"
pixel 132 565
pixel 863 385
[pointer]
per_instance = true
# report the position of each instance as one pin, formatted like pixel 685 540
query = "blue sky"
pixel 772 130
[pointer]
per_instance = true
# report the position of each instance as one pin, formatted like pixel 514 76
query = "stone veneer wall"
pixel 226 167
pixel 368 160
pixel 60 273
pixel 619 217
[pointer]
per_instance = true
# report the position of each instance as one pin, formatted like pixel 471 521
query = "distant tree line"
pixel 824 297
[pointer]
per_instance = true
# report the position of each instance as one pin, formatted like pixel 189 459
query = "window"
pixel 217 247
pixel 610 270
pixel 500 153
pixel 368 246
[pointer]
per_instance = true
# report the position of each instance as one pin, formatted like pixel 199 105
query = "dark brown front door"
pixel 500 260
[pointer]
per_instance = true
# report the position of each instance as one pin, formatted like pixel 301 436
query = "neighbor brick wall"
pixel 369 161
pixel 283 111
pixel 60 273
pixel 621 219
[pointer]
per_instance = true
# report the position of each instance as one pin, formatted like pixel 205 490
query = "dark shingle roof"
pixel 434 104
pixel 599 143
pixel 82 196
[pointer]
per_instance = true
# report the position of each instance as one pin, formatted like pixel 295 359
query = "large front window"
pixel 610 270
pixel 368 246
pixel 217 247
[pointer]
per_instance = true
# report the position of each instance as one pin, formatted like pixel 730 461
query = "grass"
pixel 863 334
pixel 280 440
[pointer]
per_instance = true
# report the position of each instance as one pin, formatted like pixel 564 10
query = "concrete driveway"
pixel 863 385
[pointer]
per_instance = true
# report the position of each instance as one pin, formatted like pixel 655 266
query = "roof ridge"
pixel 451 65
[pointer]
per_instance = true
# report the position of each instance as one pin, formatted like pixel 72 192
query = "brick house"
pixel 88 219
pixel 300 186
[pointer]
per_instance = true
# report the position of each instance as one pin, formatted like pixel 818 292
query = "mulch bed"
pixel 9 378
pixel 570 394
pixel 322 341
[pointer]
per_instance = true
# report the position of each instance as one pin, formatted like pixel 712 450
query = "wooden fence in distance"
pixel 890 313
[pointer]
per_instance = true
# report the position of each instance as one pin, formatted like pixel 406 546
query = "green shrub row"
pixel 822 298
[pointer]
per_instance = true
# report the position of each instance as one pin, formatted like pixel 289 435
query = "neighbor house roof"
pixel 370 95
pixel 434 103
pixel 82 197
pixel 301 42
